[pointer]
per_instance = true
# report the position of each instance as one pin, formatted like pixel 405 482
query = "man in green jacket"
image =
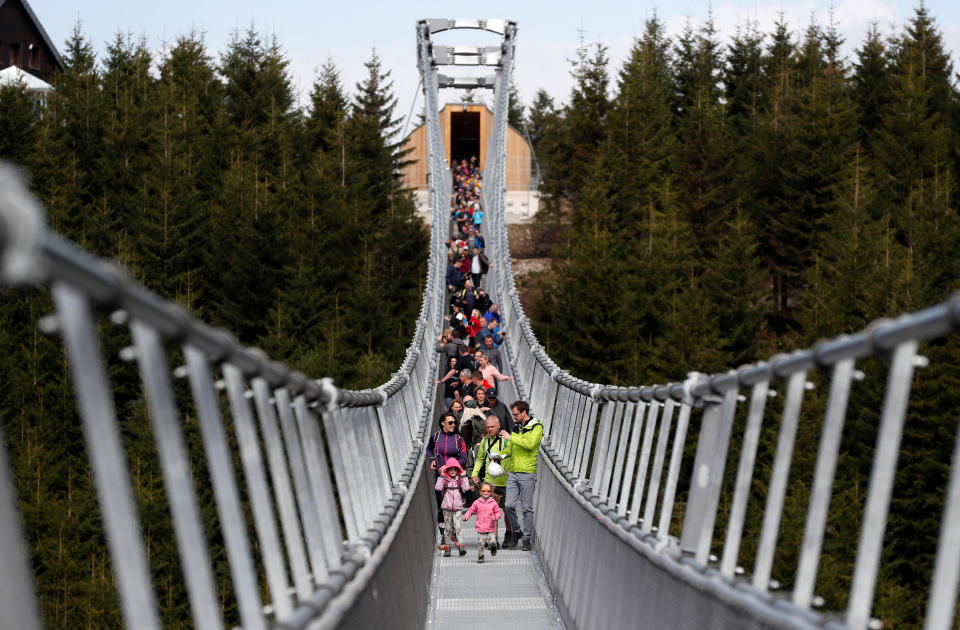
pixel 492 448
pixel 521 466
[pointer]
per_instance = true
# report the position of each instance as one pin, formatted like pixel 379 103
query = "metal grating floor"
pixel 507 591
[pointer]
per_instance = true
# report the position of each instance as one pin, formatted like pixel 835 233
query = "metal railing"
pixel 632 478
pixel 322 523
pixel 619 454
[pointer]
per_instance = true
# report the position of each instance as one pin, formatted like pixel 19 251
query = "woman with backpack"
pixel 443 445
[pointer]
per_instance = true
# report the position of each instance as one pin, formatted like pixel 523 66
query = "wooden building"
pixel 24 43
pixel 466 129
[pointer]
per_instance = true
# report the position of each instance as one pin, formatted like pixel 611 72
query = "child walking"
pixel 488 513
pixel 452 482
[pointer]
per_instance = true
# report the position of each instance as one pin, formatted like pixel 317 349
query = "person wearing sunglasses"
pixel 443 445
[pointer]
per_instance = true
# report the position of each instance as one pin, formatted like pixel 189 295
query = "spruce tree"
pixel 733 281
pixel 248 226
pixel 743 81
pixel 642 169
pixel 586 316
pixel 185 176
pixel 328 107
pixel 585 115
pixel 916 185
pixel 541 119
pixel 66 177
pixel 128 146
pixel 870 84
pixel 826 122
pixel 515 109
pixel 705 167
pixel 856 272
pixel 784 230
pixel 915 165
pixel 643 143
pixel 383 297
pixel 745 98
pixel 18 124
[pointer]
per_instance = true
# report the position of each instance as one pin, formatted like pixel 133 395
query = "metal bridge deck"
pixel 509 590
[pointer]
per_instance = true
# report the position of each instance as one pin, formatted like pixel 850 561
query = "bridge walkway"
pixel 508 590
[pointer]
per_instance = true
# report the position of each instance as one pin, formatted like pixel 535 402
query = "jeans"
pixel 500 494
pixel 520 487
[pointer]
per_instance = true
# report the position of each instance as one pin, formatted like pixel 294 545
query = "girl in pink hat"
pixel 452 482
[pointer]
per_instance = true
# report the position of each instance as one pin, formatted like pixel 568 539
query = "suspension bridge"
pixel 322 533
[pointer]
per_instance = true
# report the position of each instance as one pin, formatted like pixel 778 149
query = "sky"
pixel 548 32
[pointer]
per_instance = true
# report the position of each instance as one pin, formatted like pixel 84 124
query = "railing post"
pixel 107 459
pixel 16 591
pixel 881 484
pixel 708 467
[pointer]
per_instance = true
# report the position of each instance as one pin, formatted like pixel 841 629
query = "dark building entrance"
pixel 464 135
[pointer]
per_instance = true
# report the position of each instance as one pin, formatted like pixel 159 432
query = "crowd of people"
pixel 484 455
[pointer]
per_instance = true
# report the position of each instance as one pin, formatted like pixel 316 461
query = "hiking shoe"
pixel 462 551
pixel 446 553
pixel 493 549
pixel 510 541
pixel 526 545
pixel 480 558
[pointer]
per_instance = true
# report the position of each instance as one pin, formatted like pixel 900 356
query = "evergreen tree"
pixel 18 124
pixel 870 84
pixel 585 116
pixel 515 113
pixel 916 185
pixel 371 131
pixel 706 161
pixel 545 133
pixel 733 283
pixel 541 122
pixel 826 121
pixel 643 144
pixel 743 81
pixel 856 274
pixel 250 243
pixel 307 321
pixel 328 107
pixel 175 233
pixel 642 169
pixel 785 231
pixel 66 176
pixel 383 297
pixel 128 144
pixel 593 335
pixel 915 166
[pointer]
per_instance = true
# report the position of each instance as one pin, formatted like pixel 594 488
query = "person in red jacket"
pixel 474 325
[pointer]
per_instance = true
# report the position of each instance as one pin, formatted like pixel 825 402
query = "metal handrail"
pixel 610 446
pixel 290 439
pixel 615 453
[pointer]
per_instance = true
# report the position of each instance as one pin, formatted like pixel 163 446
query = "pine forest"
pixel 709 203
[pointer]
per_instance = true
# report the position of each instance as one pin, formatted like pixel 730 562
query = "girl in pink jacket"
pixel 488 513
pixel 452 483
